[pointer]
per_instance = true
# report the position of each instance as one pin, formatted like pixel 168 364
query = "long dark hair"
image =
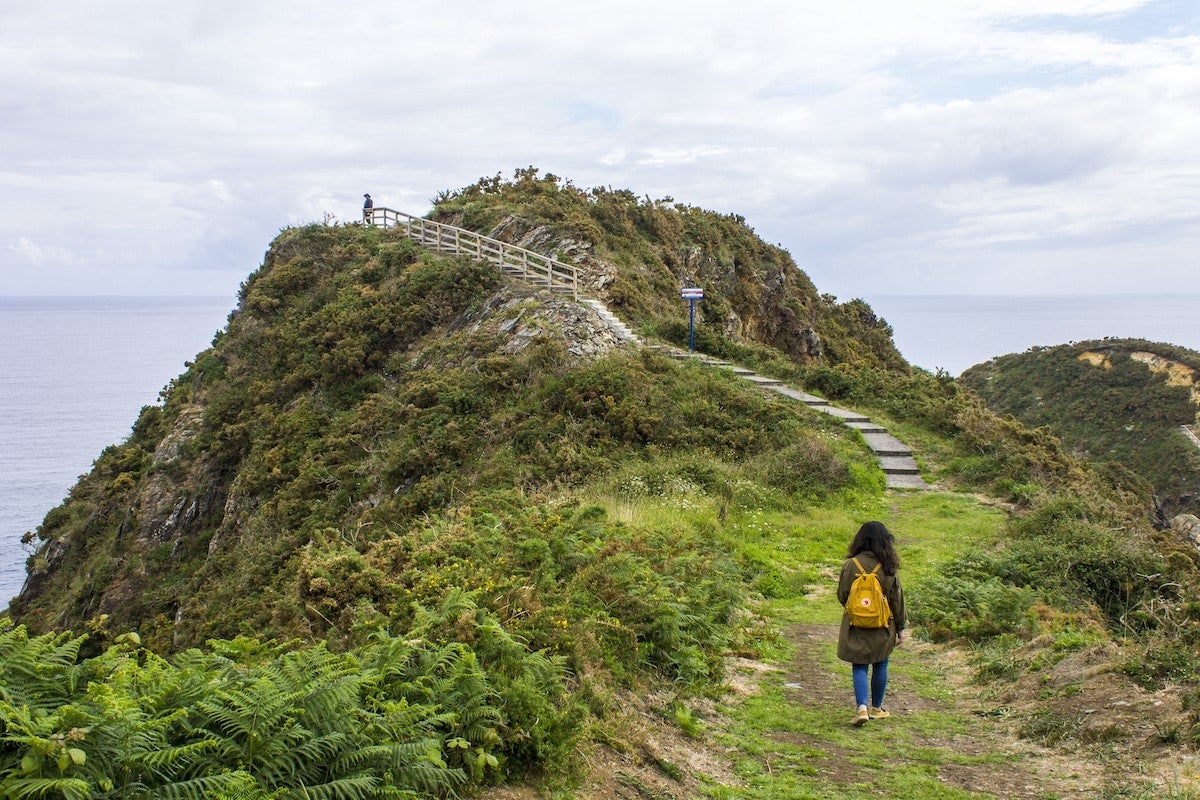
pixel 876 538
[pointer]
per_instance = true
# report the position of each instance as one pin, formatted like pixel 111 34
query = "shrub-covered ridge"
pixel 357 389
pixel 1117 400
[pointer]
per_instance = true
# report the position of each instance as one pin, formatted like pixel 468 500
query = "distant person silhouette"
pixel 368 205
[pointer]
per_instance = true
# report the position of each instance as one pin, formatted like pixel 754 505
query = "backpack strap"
pixel 863 570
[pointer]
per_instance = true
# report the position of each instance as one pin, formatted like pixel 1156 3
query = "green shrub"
pixel 571 583
pixel 969 605
pixel 1076 561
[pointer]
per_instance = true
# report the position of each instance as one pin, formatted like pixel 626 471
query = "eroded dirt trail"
pixel 983 756
pixel 944 725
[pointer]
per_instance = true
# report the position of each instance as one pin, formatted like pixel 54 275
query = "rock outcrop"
pixel 1187 526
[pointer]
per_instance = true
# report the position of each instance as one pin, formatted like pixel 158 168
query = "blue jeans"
pixel 877 684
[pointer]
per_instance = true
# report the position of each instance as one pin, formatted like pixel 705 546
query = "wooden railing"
pixel 1191 433
pixel 527 265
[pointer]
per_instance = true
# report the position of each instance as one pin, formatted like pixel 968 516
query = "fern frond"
pixel 27 788
pixel 232 784
pixel 168 762
pixel 384 756
pixel 358 788
pixel 42 671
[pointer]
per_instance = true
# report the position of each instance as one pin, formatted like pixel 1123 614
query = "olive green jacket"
pixel 869 645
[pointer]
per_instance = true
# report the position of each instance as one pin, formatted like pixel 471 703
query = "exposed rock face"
pixel 1188 528
pixel 1176 374
pixel 524 315
pixel 174 495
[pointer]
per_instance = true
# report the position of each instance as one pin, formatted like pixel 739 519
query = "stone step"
pixel 894 481
pixel 760 380
pixel 796 394
pixel 843 414
pixel 899 465
pixel 883 443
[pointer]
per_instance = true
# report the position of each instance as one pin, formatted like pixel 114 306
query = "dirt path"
pixel 943 723
pixel 984 757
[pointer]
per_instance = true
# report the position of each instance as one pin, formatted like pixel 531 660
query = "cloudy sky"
pixel 930 146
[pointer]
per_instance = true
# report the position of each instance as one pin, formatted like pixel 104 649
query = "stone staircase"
pixel 611 320
pixel 895 458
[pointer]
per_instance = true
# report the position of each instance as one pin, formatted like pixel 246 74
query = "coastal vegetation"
pixel 395 535
pixel 1121 401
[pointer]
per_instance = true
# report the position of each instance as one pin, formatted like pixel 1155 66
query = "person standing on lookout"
pixel 868 635
pixel 368 204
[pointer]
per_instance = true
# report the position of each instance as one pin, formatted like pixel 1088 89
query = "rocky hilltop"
pixel 637 253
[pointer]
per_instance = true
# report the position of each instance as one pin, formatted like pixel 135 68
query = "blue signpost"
pixel 692 295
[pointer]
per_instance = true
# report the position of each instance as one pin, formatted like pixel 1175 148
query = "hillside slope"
pixel 360 385
pixel 1113 400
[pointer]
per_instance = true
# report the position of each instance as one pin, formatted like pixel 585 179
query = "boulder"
pixel 1187 526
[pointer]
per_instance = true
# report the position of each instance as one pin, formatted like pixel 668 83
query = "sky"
pixel 923 147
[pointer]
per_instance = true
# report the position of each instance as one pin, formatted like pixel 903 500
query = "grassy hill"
pixel 1116 400
pixel 393 532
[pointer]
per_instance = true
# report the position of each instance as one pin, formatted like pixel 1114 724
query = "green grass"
pixel 795 749
pixel 789 749
pixel 792 750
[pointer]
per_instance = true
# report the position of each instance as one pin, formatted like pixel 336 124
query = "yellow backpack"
pixel 867 605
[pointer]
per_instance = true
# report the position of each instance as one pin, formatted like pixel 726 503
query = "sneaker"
pixel 877 713
pixel 861 717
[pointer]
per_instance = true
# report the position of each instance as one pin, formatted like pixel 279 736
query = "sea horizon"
pixel 953 332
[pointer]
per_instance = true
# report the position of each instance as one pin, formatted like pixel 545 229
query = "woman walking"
pixel 866 641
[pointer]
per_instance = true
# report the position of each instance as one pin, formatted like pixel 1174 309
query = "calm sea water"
pixel 956 332
pixel 74 373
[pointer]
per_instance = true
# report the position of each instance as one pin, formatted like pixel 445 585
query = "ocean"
pixel 75 372
pixel 952 333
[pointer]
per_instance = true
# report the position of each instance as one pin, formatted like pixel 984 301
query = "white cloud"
pixel 34 254
pixel 877 141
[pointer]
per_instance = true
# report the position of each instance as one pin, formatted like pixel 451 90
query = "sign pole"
pixel 692 294
pixel 691 324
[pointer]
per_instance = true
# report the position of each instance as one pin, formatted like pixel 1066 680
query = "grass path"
pixel 939 743
pixel 785 731
pixel 792 734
